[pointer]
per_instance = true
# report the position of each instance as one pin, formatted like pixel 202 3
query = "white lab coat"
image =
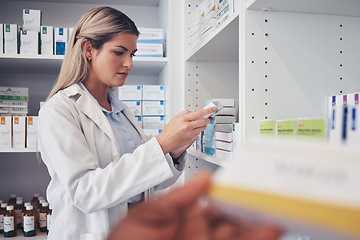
pixel 90 182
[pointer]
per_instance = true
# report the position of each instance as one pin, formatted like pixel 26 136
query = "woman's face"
pixel 111 64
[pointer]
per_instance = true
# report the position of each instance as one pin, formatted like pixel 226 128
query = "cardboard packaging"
pixel 31 131
pixel 151 35
pixel 5 131
pixel 153 108
pixel 60 40
pixel 31 20
pixel 153 122
pixel 134 106
pixel 149 50
pixel 130 92
pixel 47 40
pixel 11 39
pixel 153 92
pixel 152 132
pixel 29 42
pixel 19 132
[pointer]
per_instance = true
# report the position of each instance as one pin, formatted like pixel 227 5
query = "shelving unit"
pixel 289 56
pixel 39 73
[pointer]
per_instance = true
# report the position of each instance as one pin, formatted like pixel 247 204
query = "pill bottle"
pixel 2 214
pixel 10 222
pixel 29 221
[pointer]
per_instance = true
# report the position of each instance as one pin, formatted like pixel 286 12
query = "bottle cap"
pixel 27 204
pixel 10 207
pixel 29 207
pixel 3 205
pixel 45 204
pixel 19 201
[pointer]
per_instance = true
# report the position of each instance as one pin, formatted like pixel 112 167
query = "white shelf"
pixel 221 45
pixel 332 7
pixel 206 157
pixel 36 64
pixel 17 150
pixel 152 3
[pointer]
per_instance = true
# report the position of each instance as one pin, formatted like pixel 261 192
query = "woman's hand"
pixel 182 131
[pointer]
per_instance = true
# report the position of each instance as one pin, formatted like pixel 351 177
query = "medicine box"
pixel 70 32
pixel 14 94
pixel 286 128
pixel 226 102
pixel 31 20
pixel 134 106
pixel 31 131
pixel 224 145
pixel 153 108
pixel 223 153
pixel 152 132
pixel 151 35
pixel 29 42
pixel 149 50
pixel 224 119
pixel 60 40
pixel 268 128
pixel 153 92
pixel 139 120
pixel 5 131
pixel 151 122
pixel 18 132
pixel 11 39
pixel 224 127
pixel 1 39
pixel 130 92
pixel 224 136
pixel 47 40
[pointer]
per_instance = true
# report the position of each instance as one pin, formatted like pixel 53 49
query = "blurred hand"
pixel 182 131
pixel 179 216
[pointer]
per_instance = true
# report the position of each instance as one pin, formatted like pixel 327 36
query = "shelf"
pixel 39 64
pixel 17 150
pixel 332 7
pixel 222 44
pixel 206 157
pixel 152 3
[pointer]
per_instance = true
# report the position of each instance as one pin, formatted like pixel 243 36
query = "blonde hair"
pixel 98 26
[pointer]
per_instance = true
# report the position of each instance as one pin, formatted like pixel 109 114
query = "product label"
pixel 42 220
pixel 27 11
pixel 29 223
pixel 48 221
pixel 2 121
pixel 30 121
pixel 18 216
pixel 9 224
pixel 7 27
pixel 1 222
pixel 44 30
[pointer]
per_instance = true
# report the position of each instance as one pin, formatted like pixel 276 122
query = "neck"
pixel 100 93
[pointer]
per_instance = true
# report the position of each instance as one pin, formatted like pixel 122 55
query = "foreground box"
pixel 305 188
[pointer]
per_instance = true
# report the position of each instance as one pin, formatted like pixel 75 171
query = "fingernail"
pixel 214 108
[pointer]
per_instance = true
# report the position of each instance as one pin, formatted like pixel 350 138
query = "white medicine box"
pixel 31 20
pixel 31 131
pixel 135 106
pixel 151 35
pixel 149 50
pixel 130 92
pixel 29 42
pixel 5 131
pixel 153 122
pixel 153 92
pixel 60 40
pixel 153 108
pixel 18 132
pixel 1 39
pixel 10 39
pixel 47 40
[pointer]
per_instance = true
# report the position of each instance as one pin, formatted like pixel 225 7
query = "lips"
pixel 123 74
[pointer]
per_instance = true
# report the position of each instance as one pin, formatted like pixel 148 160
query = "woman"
pixel 98 158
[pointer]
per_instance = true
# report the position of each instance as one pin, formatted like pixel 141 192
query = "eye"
pixel 132 55
pixel 119 53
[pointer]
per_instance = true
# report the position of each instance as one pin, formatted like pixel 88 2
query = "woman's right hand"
pixel 183 129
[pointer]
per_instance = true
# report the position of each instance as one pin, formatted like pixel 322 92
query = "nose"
pixel 128 62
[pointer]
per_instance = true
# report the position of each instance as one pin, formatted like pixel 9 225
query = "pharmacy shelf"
pixel 332 7
pixel 222 162
pixel 17 150
pixel 152 3
pixel 40 64
pixel 221 45
pixel 20 236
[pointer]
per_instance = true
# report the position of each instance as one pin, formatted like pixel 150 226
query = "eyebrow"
pixel 125 49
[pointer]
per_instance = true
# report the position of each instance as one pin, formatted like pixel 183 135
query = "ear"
pixel 87 49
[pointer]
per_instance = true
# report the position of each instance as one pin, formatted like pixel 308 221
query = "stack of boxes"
pixel 150 43
pixel 33 38
pixel 147 102
pixel 18 131
pixel 209 15
pixel 14 101
pixel 218 138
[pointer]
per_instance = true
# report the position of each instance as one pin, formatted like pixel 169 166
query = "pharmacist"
pixel 98 158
